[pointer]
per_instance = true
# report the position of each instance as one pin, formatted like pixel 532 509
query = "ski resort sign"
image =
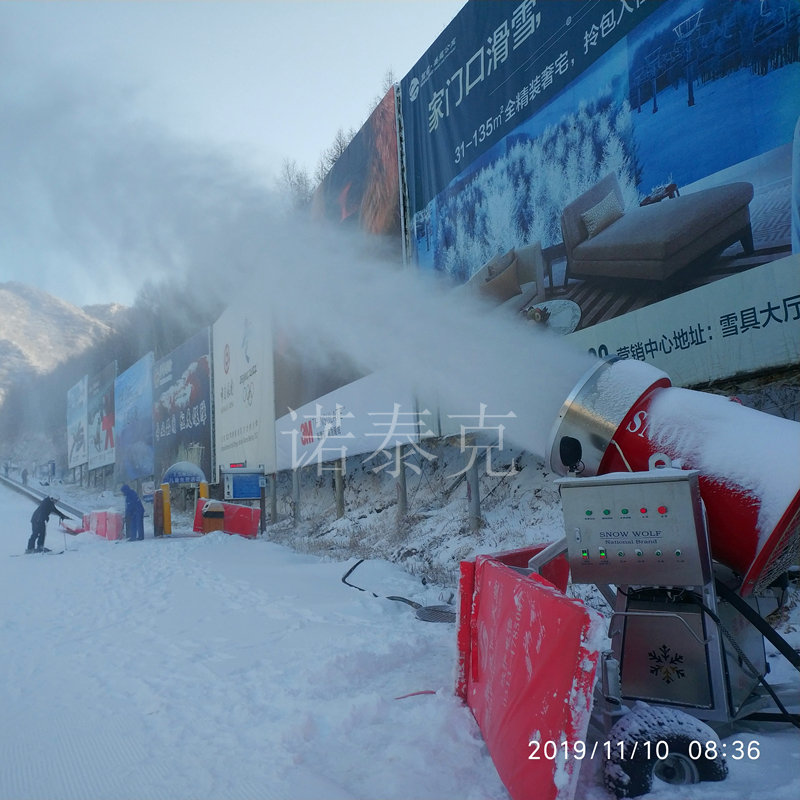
pixel 133 401
pixel 100 405
pixel 244 392
pixel 77 424
pixel 746 323
pixel 182 405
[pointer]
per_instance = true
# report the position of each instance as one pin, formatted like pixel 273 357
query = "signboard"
pixel 493 68
pixel 100 406
pixel 241 485
pixel 182 406
pixel 363 186
pixel 244 388
pixel 133 402
pixel 77 424
pixel 367 417
pixel 747 323
pixel 519 108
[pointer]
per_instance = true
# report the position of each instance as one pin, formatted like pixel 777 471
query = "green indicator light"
pixel 658 553
pixel 606 511
pixel 588 513
pixel 625 511
pixel 602 552
pixel 620 553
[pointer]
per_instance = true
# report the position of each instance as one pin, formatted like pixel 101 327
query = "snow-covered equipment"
pixel 622 412
pixel 675 510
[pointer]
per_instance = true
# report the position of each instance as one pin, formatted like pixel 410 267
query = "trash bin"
pixel 213 514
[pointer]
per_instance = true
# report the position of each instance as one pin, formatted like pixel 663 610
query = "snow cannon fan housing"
pixel 603 427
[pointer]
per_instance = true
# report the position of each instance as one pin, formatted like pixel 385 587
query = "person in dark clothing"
pixel 134 514
pixel 39 524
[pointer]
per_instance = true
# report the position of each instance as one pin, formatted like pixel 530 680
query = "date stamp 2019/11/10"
pixel 550 750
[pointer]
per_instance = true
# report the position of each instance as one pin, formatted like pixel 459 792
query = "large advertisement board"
pixel 100 407
pixel 496 66
pixel 244 389
pixel 182 414
pixel 748 323
pixel 521 109
pixel 133 400
pixel 77 424
pixel 363 187
pixel 368 417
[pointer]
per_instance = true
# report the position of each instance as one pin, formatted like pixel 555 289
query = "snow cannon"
pixel 625 416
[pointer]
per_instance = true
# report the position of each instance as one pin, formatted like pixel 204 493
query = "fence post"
pixel 295 496
pixel 402 491
pixel 473 495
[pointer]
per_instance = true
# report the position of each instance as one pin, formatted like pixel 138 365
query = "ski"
pixel 43 553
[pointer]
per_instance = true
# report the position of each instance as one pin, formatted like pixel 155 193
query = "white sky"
pixel 260 82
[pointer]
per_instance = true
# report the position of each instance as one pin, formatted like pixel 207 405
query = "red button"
pixel 662 509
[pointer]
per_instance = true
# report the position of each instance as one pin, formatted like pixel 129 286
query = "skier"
pixel 134 514
pixel 39 524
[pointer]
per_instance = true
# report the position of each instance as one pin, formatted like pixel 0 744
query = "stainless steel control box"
pixel 638 528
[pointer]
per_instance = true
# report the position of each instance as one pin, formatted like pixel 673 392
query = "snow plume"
pixel 102 196
pixel 328 293
pixel 94 200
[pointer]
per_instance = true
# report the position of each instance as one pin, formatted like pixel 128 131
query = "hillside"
pixel 39 331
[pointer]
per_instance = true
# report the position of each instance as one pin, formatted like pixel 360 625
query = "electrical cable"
pixel 785 715
pixel 764 628
pixel 360 589
pixel 444 613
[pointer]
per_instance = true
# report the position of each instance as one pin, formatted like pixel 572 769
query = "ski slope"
pixel 224 668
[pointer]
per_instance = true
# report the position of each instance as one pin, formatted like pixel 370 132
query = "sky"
pixel 103 99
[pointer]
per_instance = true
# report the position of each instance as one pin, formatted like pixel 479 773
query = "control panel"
pixel 637 528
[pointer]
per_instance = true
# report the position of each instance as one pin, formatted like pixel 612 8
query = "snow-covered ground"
pixel 218 667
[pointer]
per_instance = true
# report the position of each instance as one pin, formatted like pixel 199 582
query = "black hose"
pixel 763 627
pixel 390 597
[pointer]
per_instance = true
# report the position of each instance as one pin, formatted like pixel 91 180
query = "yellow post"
pixel 167 509
pixel 204 490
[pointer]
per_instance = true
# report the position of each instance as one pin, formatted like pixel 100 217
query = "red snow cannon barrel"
pixel 623 412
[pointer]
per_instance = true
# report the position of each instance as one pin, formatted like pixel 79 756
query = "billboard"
pixel 100 413
pixel 520 110
pixel 244 389
pixel 182 415
pixel 748 323
pixel 363 187
pixel 367 417
pixel 133 401
pixel 77 425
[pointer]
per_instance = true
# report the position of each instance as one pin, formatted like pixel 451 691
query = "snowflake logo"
pixel 666 664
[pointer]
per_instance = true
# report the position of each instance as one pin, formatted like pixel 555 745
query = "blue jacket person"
pixel 134 514
pixel 39 523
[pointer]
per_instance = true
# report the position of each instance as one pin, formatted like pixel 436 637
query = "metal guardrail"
pixel 38 495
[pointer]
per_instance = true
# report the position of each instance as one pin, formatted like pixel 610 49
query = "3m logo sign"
pixel 306 432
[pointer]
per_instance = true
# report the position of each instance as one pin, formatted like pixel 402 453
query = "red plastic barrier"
pixel 527 657
pixel 113 525
pixel 238 519
pixel 107 524
pixel 97 523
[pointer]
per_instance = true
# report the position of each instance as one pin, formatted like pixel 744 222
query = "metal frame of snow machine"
pixel 686 648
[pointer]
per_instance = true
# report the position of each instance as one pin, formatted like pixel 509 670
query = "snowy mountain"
pixel 39 331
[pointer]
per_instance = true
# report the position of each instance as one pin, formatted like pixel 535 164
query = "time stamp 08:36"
pixel 550 750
